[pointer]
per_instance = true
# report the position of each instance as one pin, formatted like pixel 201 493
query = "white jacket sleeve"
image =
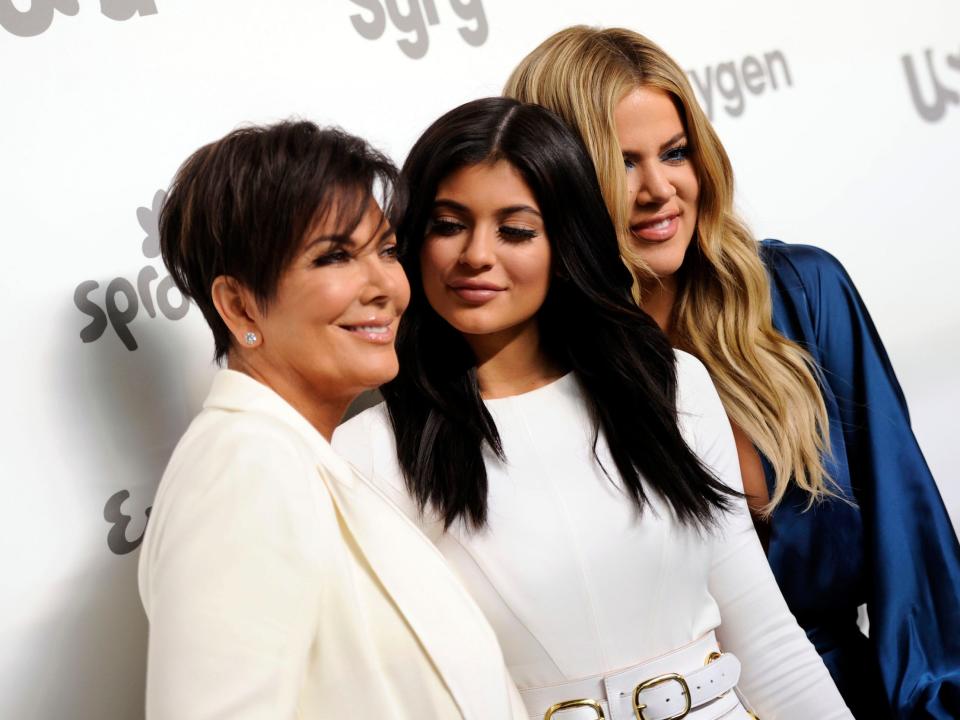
pixel 783 677
pixel 231 580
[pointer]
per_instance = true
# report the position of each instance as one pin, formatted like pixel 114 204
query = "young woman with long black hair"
pixel 579 474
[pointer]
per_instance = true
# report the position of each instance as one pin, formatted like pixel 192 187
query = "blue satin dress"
pixel 895 548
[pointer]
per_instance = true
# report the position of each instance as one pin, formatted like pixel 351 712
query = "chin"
pixel 471 323
pixel 665 262
pixel 373 375
pixel 664 270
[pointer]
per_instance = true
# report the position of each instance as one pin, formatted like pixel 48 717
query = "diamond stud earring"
pixel 250 338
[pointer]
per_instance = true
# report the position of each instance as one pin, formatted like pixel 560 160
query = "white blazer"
pixel 280 584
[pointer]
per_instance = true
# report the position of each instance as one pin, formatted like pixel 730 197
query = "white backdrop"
pixel 833 142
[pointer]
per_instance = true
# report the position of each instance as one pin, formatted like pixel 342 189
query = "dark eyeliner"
pixel 516 233
pixel 445 227
pixel 332 257
pixel 678 153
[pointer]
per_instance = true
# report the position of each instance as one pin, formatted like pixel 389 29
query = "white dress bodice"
pixel 577 582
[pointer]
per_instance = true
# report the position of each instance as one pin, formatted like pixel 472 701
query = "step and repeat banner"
pixel 842 120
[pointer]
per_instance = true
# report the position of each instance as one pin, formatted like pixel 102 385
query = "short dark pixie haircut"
pixel 241 206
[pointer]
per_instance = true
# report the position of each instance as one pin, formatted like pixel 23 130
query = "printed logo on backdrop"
pixel 117 306
pixel 723 85
pixel 931 97
pixel 123 300
pixel 38 18
pixel 415 21
pixel 113 513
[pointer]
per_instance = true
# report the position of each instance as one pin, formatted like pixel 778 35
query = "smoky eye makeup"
pixel 678 150
pixel 331 257
pixel 330 251
pixel 513 233
pixel 444 226
pixel 677 153
pixel 389 248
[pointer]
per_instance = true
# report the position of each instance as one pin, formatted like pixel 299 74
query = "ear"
pixel 238 309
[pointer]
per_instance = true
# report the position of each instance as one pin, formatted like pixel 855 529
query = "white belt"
pixel 692 682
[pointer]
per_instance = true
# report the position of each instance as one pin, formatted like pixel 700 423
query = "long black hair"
pixel 588 323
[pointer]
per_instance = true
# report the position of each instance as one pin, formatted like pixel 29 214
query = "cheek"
pixel 531 269
pixel 328 298
pixel 691 187
pixel 435 259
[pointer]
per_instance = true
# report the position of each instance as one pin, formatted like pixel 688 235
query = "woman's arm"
pixel 913 558
pixel 231 580
pixel 782 675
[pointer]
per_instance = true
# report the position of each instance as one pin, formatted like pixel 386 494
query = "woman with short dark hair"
pixel 579 474
pixel 278 582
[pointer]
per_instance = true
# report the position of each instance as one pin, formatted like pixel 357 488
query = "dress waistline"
pixel 696 682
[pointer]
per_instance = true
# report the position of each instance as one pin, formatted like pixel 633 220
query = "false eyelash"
pixel 444 227
pixel 517 234
pixel 332 258
pixel 678 153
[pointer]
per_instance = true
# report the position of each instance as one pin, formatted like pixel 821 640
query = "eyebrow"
pixel 519 209
pixel 674 140
pixel 509 210
pixel 337 239
pixel 451 204
pixel 341 240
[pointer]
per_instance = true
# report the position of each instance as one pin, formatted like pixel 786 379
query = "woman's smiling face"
pixel 330 329
pixel 662 184
pixel 486 259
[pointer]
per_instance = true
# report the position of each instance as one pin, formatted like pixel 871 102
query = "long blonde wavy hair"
pixel 723 310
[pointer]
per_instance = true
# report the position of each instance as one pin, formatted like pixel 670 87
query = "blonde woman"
pixel 823 435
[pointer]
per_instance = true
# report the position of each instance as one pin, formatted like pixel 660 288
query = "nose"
pixel 479 250
pixel 653 186
pixel 384 278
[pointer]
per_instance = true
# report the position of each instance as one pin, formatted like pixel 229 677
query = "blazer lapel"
pixel 449 625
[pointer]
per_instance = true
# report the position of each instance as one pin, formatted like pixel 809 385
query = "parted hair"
pixel 723 313
pixel 588 323
pixel 241 206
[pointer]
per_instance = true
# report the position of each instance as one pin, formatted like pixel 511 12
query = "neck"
pixel 657 301
pixel 512 362
pixel 320 409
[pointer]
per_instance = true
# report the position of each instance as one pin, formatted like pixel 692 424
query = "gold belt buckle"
pixel 660 680
pixel 569 704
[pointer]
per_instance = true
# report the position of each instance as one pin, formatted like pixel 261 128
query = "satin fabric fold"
pixel 893 547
